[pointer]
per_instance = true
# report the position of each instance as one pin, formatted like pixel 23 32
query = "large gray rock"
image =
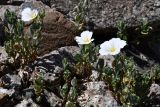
pixel 52 62
pixel 104 13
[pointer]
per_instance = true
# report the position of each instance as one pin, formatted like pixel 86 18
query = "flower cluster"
pixel 111 47
pixel 22 47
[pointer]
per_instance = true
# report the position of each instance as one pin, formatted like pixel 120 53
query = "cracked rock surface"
pixel 104 13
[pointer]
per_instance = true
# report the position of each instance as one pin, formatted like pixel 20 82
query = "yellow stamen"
pixel 112 49
pixel 33 15
pixel 86 40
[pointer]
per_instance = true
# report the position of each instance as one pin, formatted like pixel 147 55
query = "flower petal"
pixel 86 33
pixel 105 45
pixel 103 52
pixel 117 42
pixel 112 47
pixel 27 14
pixel 79 40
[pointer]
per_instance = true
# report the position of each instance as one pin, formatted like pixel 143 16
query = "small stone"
pixel 6 91
pixel 154 89
pixel 27 103
pixel 11 81
pixel 53 99
pixel 95 75
pixel 28 93
pixel 3 54
pixel 52 80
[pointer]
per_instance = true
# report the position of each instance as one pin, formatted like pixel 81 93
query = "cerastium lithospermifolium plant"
pixel 145 28
pixel 122 32
pixel 120 77
pixel 81 13
pixel 68 91
pixel 144 32
pixel 72 95
pixel 67 74
pixel 81 69
pixel 38 85
pixel 129 86
pixel 87 55
pixel 22 47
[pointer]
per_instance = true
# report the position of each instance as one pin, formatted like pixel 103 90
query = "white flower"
pixel 112 47
pixel 28 14
pixel 85 37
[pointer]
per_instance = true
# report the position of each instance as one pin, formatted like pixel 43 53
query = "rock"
pixel 33 4
pixel 104 13
pixel 5 96
pixel 6 91
pixel 69 51
pixel 51 65
pixel 52 99
pixel 27 103
pixel 48 62
pixel 154 90
pixel 3 99
pixel 14 2
pixel 95 95
pixel 58 31
pixel 52 62
pixel 28 93
pixel 154 95
pixel 4 68
pixel 13 90
pixel 52 78
pixel 95 75
pixel 3 54
pixel 11 81
pixel 9 7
